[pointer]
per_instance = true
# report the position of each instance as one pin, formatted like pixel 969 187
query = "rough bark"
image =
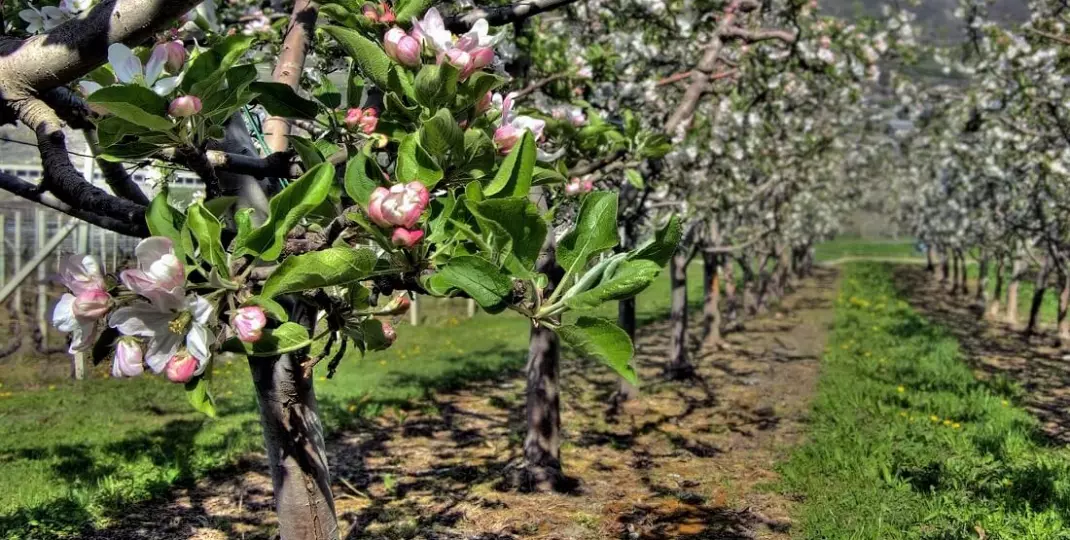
pixel 293 438
pixel 750 284
pixel 1040 286
pixel 626 320
pixel 997 294
pixel 291 63
pixel 945 262
pixel 955 275
pixel 711 302
pixel 1012 291
pixel 1064 305
pixel 981 296
pixel 679 366
pixel 964 278
pixel 929 266
pixel 731 297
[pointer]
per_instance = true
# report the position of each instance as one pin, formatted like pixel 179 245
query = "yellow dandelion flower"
pixel 352 408
pixel 947 422
pixel 956 425
pixel 903 414
pixel 934 418
pixel 901 389
pixel 51 387
pixel 1005 403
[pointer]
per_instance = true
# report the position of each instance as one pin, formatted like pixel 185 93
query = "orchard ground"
pixel 780 435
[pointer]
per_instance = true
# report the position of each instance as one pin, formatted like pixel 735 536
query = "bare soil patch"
pixel 686 460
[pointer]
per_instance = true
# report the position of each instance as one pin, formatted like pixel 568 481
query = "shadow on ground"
pixel 1031 368
pixel 684 461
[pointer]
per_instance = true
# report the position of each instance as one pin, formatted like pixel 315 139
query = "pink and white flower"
pixel 403 48
pixel 182 367
pixel 79 311
pixel 128 69
pixel 129 358
pixel 249 323
pixel 511 127
pixel 185 106
pixel 431 31
pixel 406 238
pixel 160 276
pixel 364 119
pixel 399 206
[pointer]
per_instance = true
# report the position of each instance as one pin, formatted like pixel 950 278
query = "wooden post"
pixel 42 275
pixel 78 360
pixel 471 308
pixel 17 263
pixel 414 311
pixel 3 250
pixel 114 252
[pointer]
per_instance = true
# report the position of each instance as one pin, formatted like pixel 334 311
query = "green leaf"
pixel 288 337
pixel 441 135
pixel 286 209
pixel 135 104
pixel 414 163
pixel 327 94
pixel 208 232
pixel 198 392
pixel 660 248
pixel 373 61
pixel 630 278
pixel 479 153
pixel 354 85
pixel 374 338
pixel 307 151
pixel 436 85
pixel 333 266
pixel 543 176
pixel 477 86
pixel 483 281
pixel 441 211
pixel 634 178
pixel 521 221
pixel 163 220
pixel 410 9
pixel 271 307
pixel 220 205
pixel 281 100
pixel 595 231
pixel 601 339
pixel 362 177
pixel 514 176
pixel 209 68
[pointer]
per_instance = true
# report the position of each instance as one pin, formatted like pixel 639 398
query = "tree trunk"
pixel 711 304
pixel 293 438
pixel 764 282
pixel 997 294
pixel 954 274
pixel 679 366
pixel 1012 291
pixel 981 296
pixel 626 320
pixel 929 266
pixel 731 298
pixel 1064 305
pixel 944 273
pixel 1039 288
pixel 750 286
pixel 964 276
pixel 784 283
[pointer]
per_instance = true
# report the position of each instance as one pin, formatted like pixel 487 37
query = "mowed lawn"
pixel 74 453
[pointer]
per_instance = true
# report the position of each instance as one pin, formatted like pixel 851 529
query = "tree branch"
pixel 295 45
pixel 538 84
pixel 754 36
pixel 681 76
pixel 497 16
pixel 597 165
pixel 34 193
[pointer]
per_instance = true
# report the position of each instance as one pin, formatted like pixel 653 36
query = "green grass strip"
pixel 906 443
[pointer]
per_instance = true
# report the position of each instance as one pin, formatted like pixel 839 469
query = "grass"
pixel 906 444
pixel 74 455
pixel 860 247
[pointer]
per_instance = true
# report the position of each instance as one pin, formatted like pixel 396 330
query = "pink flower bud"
pixel 482 57
pixel 362 119
pixel 185 106
pixel 573 188
pixel 406 238
pixel 128 358
pixel 369 11
pixel 388 13
pixel 399 206
pixel 462 60
pixel 176 56
pixel 506 136
pixel 588 186
pixel 249 323
pixel 181 367
pixel 375 206
pixel 92 304
pixel 398 306
pixel 389 333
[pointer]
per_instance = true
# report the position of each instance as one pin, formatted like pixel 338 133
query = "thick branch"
pixel 120 181
pixel 498 16
pixel 597 165
pixel 754 36
pixel 76 47
pixel 538 84
pixel 681 76
pixel 295 45
pixel 31 192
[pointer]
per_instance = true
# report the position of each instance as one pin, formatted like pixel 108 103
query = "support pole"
pixel 17 263
pixel 42 275
pixel 414 311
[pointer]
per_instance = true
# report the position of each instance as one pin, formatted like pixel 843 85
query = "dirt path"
pixel 685 461
pixel 993 349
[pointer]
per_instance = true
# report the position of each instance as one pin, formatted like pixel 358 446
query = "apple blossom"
pixel 364 119
pixel 389 333
pixel 129 357
pixel 399 305
pixel 176 55
pixel 401 47
pixel 399 206
pixel 405 238
pixel 511 127
pixel 128 69
pixel 181 367
pixel 160 276
pixel 249 323
pixel 185 106
pixel 83 276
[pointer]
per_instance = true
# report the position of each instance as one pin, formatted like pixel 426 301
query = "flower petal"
pixel 197 342
pixel 200 308
pixel 63 314
pixel 152 249
pixel 140 319
pixel 155 65
pixel 166 85
pixel 85 336
pixel 161 350
pixel 124 63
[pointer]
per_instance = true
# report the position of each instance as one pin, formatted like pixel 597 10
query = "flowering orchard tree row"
pixel 988 160
pixel 531 164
